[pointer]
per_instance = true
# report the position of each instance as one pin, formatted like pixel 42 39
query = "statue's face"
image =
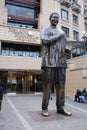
pixel 54 19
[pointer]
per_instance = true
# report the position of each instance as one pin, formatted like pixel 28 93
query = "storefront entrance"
pixel 21 82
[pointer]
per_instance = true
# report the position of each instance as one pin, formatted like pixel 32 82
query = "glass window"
pixel 75 35
pixel 66 30
pixel 20 53
pixel 12 53
pixel 75 19
pixel 16 53
pixel 17 50
pixel 24 53
pixel 27 54
pixel 3 52
pixel 64 14
pixel 31 54
pixel 6 52
pixel 20 11
pixel 20 25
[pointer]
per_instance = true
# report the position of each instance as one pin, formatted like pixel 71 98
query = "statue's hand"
pixel 50 34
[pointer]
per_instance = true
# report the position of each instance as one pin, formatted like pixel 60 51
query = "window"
pixel 20 25
pixel 64 14
pixel 17 50
pixel 75 19
pixel 66 30
pixel 22 16
pixel 20 11
pixel 75 35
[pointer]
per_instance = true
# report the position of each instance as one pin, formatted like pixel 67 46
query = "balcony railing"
pixel 76 7
pixel 20 53
pixel 66 2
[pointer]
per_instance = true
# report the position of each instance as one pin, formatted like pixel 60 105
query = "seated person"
pixel 82 98
pixel 84 95
pixel 84 92
pixel 78 93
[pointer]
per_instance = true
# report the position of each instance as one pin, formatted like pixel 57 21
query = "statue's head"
pixel 54 18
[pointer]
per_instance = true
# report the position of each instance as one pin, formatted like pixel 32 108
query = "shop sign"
pixel 25 35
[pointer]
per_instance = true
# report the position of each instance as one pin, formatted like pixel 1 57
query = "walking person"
pixel 53 65
pixel 1 96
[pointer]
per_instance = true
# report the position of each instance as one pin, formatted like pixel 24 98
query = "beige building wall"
pixel 20 36
pixel 3 13
pixel 49 6
pixel 76 75
pixel 20 63
pixel 46 8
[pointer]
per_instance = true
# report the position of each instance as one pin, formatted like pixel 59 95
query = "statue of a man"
pixel 53 65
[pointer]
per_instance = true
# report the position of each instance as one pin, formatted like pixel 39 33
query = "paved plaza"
pixel 23 112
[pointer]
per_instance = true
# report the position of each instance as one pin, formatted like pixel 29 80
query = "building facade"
pixel 20 45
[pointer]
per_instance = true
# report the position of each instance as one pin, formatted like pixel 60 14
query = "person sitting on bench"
pixel 78 93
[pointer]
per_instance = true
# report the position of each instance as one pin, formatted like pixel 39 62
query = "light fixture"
pixel 30 33
pixel 84 36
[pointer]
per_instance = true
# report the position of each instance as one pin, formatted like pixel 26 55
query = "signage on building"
pixel 25 35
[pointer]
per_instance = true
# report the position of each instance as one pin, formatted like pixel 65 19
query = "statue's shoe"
pixel 64 112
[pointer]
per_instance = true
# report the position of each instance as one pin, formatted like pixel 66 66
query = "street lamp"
pixel 84 36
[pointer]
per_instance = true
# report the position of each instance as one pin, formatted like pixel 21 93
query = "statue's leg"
pixel 60 88
pixel 46 88
pixel 60 97
pixel 60 92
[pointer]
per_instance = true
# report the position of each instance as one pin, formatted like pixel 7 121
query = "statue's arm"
pixel 48 38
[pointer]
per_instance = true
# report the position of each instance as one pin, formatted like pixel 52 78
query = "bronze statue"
pixel 53 65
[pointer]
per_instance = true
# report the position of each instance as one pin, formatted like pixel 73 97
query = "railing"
pixel 20 53
pixel 76 7
pixel 66 2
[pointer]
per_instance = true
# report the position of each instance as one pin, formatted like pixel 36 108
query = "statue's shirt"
pixel 53 47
